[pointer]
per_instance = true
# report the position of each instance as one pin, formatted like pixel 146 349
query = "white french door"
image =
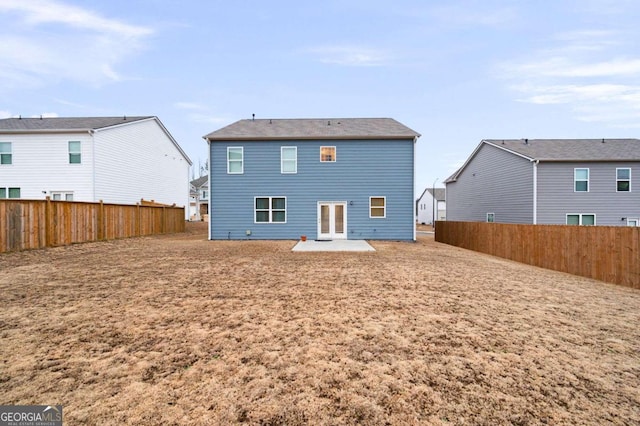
pixel 332 220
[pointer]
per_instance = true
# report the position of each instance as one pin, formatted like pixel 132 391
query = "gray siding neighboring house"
pixel 548 181
pixel 350 178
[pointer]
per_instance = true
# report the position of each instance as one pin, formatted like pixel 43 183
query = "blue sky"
pixel 456 71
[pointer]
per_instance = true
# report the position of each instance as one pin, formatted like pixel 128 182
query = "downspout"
pixel 535 191
pixel 93 165
pixel 209 188
pixel 413 190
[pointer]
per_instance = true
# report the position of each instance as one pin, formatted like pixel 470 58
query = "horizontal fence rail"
pixel 605 253
pixel 33 224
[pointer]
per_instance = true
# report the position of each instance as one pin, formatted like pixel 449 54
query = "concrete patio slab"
pixel 333 245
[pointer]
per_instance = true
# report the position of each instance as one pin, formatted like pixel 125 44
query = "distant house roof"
pixel 569 150
pixel 197 183
pixel 440 193
pixel 314 128
pixel 64 123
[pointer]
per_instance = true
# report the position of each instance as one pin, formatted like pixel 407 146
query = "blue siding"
pixel 363 169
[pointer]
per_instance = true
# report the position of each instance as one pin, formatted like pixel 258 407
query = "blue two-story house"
pixel 336 178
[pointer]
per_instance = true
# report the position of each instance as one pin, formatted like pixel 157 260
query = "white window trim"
pixel 493 215
pixel 575 179
pixel 255 211
pixel 378 207
pixel 623 180
pixel 636 219
pixel 335 153
pixel 282 160
pixel 241 148
pixel 580 215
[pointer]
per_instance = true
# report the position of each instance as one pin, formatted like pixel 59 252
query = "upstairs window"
pixel 377 207
pixel 623 180
pixel 5 153
pixel 581 180
pixel 581 219
pixel 288 159
pixel 491 217
pixel 75 152
pixel 327 154
pixel 270 210
pixel 235 160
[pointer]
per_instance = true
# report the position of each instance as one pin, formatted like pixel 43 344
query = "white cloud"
pixel 594 73
pixel 200 113
pixel 5 114
pixel 473 14
pixel 44 40
pixel 351 56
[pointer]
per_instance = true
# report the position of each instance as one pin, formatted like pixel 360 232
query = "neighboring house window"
pixel 75 152
pixel 288 159
pixel 11 192
pixel 204 195
pixel 491 217
pixel 270 209
pixel 633 221
pixel 327 154
pixel 59 196
pixel 623 180
pixel 377 207
pixel 235 160
pixel 581 180
pixel 5 153
pixel 581 219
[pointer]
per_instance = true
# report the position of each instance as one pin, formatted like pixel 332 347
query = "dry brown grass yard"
pixel 179 330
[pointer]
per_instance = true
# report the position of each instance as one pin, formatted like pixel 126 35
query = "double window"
pixel 235 160
pixel 5 153
pixel 623 180
pixel 377 207
pixel 75 152
pixel 61 196
pixel 581 180
pixel 581 219
pixel 9 192
pixel 270 210
pixel 288 159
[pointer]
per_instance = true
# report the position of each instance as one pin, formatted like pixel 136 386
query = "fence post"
pixel 101 230
pixel 48 222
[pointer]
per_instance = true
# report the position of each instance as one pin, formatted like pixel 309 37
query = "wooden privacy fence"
pixel 32 224
pixel 605 253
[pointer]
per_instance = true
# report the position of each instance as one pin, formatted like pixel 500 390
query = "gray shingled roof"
pixel 572 149
pixel 439 194
pixel 200 181
pixel 314 128
pixel 64 123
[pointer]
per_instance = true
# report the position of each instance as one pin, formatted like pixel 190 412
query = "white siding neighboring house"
pixel 548 181
pixel 114 159
pixel 199 199
pixel 428 205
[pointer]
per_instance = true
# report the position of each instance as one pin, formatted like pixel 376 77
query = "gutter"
pixel 535 191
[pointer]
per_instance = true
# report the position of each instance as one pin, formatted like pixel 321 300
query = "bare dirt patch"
pixel 179 330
